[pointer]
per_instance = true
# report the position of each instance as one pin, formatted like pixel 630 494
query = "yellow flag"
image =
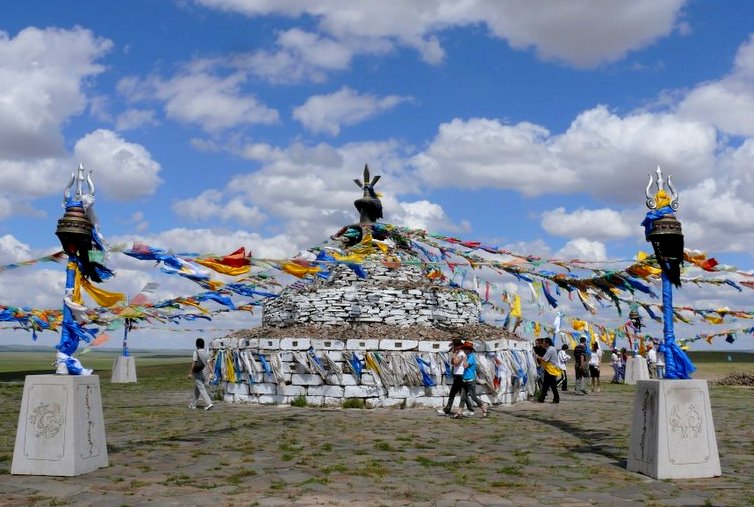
pixel 101 296
pixel 516 308
pixel 299 270
pixel 224 268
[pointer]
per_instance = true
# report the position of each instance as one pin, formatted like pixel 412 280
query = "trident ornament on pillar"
pixel 663 230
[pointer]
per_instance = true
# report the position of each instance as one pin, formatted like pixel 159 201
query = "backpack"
pixel 198 366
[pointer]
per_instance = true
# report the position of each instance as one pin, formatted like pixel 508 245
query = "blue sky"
pixel 214 124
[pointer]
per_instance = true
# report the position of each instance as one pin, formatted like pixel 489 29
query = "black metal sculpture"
pixel 369 206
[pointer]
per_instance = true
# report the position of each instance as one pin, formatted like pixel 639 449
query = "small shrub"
pixel 299 401
pixel 354 403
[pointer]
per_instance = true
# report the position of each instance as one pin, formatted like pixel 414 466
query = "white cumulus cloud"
pixel 326 113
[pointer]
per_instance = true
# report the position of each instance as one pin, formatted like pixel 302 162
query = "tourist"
pixel 551 372
pixel 563 359
pixel 198 364
pixel 580 366
pixel 623 363
pixel 457 359
pixel 469 383
pixel 616 362
pixel 660 361
pixel 539 349
pixel 651 361
pixel 594 366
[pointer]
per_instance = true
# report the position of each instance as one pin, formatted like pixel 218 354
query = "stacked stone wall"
pixel 277 371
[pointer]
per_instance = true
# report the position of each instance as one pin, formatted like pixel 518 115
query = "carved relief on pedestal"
pixel 687 429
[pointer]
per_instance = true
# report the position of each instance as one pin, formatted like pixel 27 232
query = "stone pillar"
pixel 124 370
pixel 672 431
pixel 61 430
pixel 636 369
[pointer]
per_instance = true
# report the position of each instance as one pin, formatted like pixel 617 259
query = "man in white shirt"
pixel 652 361
pixel 660 362
pixel 198 365
pixel 615 361
pixel 563 359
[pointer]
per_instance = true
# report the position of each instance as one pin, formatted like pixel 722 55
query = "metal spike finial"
pixel 77 182
pixel 652 199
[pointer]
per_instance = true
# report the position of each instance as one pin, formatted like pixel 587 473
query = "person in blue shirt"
pixel 469 383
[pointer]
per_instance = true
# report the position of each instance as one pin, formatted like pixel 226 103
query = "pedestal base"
pixel 672 432
pixel 124 370
pixel 60 427
pixel 636 369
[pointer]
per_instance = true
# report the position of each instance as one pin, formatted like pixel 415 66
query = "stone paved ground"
pixel 572 454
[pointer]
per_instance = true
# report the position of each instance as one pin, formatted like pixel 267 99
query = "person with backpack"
pixel 198 364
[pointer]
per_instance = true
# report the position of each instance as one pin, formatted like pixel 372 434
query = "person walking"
pixel 651 361
pixel 563 359
pixel 469 383
pixel 457 360
pixel 551 372
pixel 595 360
pixel 580 366
pixel 615 361
pixel 198 364
pixel 661 361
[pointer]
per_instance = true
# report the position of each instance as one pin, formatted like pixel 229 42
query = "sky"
pixel 215 124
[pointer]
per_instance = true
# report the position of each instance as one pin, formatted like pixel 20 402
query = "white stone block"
pixel 405 392
pixel 328 344
pixel 266 399
pixel 337 355
pixel 368 378
pixel 263 388
pixel 286 357
pixel 293 391
pixel 315 401
pixel 672 431
pixel 329 391
pixel 306 379
pixel 357 344
pixel 636 369
pixel 231 388
pixel 295 343
pixel 332 402
pixel 124 370
pixel 434 346
pixel 398 344
pixel 493 345
pixel 345 380
pixel 384 403
pixel 426 402
pixel 438 390
pixel 60 427
pixel 269 343
pixel 361 391
pixel 249 343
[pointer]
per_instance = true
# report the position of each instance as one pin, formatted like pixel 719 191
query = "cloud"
pixel 598 224
pixel 198 97
pixel 298 56
pixel 727 103
pixel 600 153
pixel 122 170
pixel 42 78
pixel 583 249
pixel 582 34
pixel 134 118
pixel 326 113
pixel 208 206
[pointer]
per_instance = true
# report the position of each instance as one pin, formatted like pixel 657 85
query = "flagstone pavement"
pixel 572 454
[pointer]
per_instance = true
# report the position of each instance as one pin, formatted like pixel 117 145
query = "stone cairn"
pixel 383 338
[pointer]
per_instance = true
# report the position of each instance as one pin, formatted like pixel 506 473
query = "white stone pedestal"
pixel 124 370
pixel 672 431
pixel 60 426
pixel 636 369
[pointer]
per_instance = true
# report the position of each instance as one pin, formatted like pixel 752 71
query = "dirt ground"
pixel 162 453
